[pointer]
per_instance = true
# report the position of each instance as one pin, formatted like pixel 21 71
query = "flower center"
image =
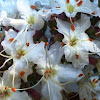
pixel 70 8
pixel 31 20
pixel 73 42
pixel 49 73
pixel 94 82
pixel 20 53
pixel 5 93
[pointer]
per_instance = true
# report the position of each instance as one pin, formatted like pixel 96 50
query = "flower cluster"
pixel 50 46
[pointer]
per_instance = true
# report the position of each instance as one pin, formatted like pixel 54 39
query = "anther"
pixel 27 44
pixel 47 71
pixel 80 75
pixel 53 28
pixel 67 1
pixel 93 13
pixel 80 3
pixel 43 10
pixel 13 89
pixel 76 0
pixel 63 44
pixel 91 40
pixel 53 16
pixel 46 44
pixel 7 87
pixel 77 56
pixel 22 73
pixel 94 80
pixel 57 7
pixel 72 27
pixel 33 7
pixel 11 39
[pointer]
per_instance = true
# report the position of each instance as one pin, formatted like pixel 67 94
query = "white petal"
pixel 89 7
pixel 39 23
pixel 55 53
pixel 8 78
pixel 51 90
pixel 18 24
pixel 22 6
pixel 63 27
pixel 28 71
pixel 67 73
pixel 83 24
pixel 7 44
pixel 19 96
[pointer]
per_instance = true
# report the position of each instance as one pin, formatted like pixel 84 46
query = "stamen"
pixel 76 0
pixel 53 28
pixel 13 89
pixel 7 87
pixel 47 71
pixel 46 44
pixel 57 7
pixel 94 80
pixel 80 75
pixel 77 56
pixel 43 10
pixel 91 40
pixel 5 63
pixel 63 44
pixel 80 3
pixel 72 27
pixel 27 44
pixel 53 16
pixel 22 73
pixel 32 86
pixel 93 13
pixel 11 39
pixel 67 1
pixel 33 7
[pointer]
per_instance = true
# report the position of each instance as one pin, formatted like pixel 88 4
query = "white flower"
pixel 30 18
pixel 7 94
pixel 22 50
pixel 71 7
pixel 77 42
pixel 88 85
pixel 48 65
